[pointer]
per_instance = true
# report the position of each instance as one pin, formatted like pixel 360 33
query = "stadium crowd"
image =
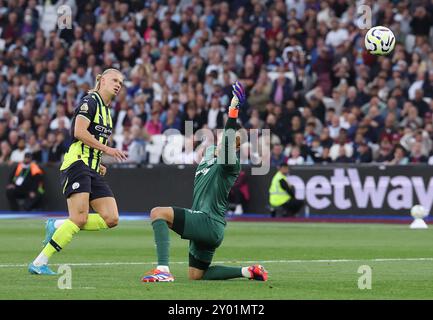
pixel 303 62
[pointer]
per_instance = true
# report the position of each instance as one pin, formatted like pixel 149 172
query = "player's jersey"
pixel 101 126
pixel 212 185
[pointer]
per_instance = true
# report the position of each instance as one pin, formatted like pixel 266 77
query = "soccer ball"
pixel 418 212
pixel 379 41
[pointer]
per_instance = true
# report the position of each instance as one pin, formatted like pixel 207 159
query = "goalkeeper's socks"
pixel 162 241
pixel 222 273
pixel 163 269
pixel 246 273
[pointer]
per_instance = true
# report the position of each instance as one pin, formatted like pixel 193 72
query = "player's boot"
pixel 258 272
pixel 49 231
pixel 156 275
pixel 41 270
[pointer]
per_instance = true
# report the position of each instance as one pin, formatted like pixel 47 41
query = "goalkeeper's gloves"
pixel 238 99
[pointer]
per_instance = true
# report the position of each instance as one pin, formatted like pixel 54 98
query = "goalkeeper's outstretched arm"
pixel 229 137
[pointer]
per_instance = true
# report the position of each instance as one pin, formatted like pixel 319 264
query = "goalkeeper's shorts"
pixel 205 235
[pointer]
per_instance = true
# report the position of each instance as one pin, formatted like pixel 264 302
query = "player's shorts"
pixel 205 235
pixel 80 178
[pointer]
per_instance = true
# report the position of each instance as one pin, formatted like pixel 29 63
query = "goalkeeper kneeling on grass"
pixel 203 225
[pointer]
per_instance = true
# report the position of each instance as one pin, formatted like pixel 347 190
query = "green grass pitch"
pixel 304 260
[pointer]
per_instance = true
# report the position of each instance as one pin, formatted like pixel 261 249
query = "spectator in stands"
pixel 385 150
pixel 312 52
pixel 325 139
pixel 277 155
pixel 315 151
pixel 153 125
pixel 334 127
pixel 260 92
pixel 60 116
pixel 295 157
pixel 341 147
pixel 191 114
pixel 171 119
pixel 324 158
pixel 416 155
pixel 363 153
pixel 410 138
pixel 18 154
pixel 281 90
pixel 137 147
pixel 399 156
pixel 5 152
pixel 25 183
pixel 419 103
pixel 214 116
pixel 342 156
pixel 57 147
pixel 411 118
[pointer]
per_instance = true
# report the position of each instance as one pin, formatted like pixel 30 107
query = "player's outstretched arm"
pixel 229 137
pixel 237 101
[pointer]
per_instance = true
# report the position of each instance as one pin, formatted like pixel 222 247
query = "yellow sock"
pixel 61 238
pixel 94 223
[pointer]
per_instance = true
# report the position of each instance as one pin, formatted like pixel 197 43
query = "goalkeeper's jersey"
pixel 93 108
pixel 213 180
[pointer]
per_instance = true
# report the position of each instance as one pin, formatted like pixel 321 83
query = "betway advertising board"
pixel 384 190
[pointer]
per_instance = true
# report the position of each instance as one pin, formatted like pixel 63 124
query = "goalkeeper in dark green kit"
pixel 204 223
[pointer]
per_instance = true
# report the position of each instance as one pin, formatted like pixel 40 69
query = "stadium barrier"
pixel 331 189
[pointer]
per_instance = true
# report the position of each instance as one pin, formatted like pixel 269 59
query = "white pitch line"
pixel 91 264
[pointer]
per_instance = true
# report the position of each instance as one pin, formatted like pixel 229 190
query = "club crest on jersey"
pixel 84 107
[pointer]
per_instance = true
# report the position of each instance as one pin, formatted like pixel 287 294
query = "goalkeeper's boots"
pixel 41 270
pixel 49 231
pixel 156 275
pixel 258 272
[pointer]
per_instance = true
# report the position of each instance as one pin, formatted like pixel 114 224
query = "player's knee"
pixel 79 216
pixel 112 221
pixel 80 221
pixel 195 276
pixel 156 213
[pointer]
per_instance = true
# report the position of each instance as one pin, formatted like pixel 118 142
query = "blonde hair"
pixel 98 79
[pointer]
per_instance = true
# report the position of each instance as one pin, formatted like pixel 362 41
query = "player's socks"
pixel 61 238
pixel 94 223
pixel 40 260
pixel 162 240
pixel 246 273
pixel 58 223
pixel 222 273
